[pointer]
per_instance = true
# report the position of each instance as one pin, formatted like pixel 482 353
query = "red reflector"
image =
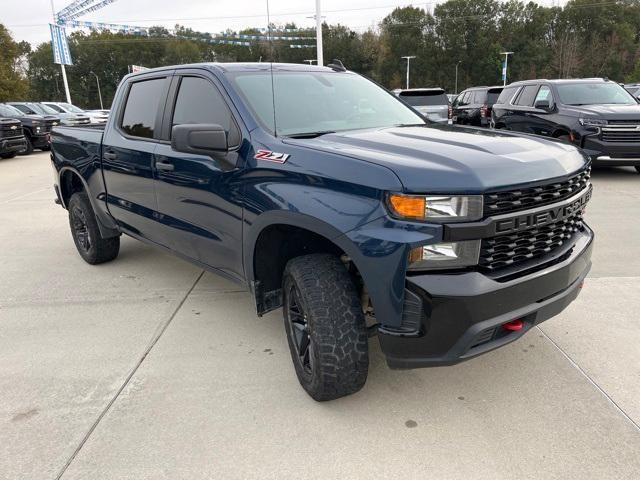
pixel 513 325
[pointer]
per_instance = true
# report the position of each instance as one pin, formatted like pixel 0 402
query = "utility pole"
pixel 457 64
pixel 504 67
pixel 99 93
pixel 409 57
pixel 64 72
pixel 319 33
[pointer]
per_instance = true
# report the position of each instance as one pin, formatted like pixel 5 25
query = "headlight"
pixel 37 129
pixel 592 122
pixel 444 255
pixel 439 209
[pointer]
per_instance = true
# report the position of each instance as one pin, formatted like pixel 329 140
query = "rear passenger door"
pixel 127 154
pixel 520 120
pixel 199 195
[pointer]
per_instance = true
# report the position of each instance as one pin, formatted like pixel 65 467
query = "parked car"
pixel 76 115
pixel 432 103
pixel 12 139
pixel 595 114
pixel 42 108
pixel 353 214
pixel 473 106
pixel 36 128
pixel 33 108
pixel 98 116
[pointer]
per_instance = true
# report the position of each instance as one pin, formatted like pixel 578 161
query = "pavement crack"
pixel 589 379
pixel 152 343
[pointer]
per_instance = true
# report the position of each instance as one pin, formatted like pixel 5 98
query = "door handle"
pixel 166 166
pixel 110 155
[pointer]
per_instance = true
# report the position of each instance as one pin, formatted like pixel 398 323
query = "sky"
pixel 28 19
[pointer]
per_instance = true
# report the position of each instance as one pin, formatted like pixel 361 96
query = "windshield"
pixel 9 111
pixel 41 109
pixel 71 108
pixel 421 99
pixel 312 102
pixel 594 94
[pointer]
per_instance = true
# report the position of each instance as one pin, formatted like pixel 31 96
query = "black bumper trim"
pixel 463 306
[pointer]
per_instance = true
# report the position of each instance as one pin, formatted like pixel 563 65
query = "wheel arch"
pixel 277 237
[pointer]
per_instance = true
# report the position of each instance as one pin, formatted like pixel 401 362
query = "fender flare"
pixel 107 225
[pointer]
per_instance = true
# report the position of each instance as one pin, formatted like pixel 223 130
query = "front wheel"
pixel 29 147
pixel 91 245
pixel 6 156
pixel 325 327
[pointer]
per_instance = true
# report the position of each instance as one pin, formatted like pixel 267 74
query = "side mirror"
pixel 543 105
pixel 199 138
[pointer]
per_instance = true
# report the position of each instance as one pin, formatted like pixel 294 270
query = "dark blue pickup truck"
pixel 325 195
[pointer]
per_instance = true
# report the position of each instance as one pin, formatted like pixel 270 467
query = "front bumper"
pixel 615 154
pixel 463 314
pixel 11 145
pixel 39 141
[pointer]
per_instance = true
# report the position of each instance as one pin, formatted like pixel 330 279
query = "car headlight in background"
pixel 444 255
pixel 435 208
pixel 592 122
pixel 37 129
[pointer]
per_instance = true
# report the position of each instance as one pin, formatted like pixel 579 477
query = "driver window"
pixel 544 94
pixel 199 101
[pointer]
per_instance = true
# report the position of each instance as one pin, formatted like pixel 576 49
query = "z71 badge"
pixel 271 156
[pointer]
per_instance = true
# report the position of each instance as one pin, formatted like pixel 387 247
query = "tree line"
pixel 585 38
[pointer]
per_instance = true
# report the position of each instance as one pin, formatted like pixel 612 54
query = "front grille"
pixel 621 133
pixel 512 249
pixel 7 132
pixel 514 200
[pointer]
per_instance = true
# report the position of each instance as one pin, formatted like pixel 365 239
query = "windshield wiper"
pixel 310 134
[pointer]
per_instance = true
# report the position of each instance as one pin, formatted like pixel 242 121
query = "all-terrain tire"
pixel 337 359
pixel 92 247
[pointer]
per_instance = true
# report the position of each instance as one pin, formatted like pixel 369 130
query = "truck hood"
pixel 445 159
pixel 606 112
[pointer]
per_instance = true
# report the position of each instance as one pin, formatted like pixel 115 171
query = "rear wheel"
pixel 325 327
pixel 92 247
pixel 8 155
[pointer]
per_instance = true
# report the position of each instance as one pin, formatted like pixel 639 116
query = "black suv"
pixel 12 139
pixel 473 106
pixel 36 127
pixel 595 114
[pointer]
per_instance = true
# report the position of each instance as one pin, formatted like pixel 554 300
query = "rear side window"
pixel 492 95
pixel 140 111
pixel 420 99
pixel 507 94
pixel 199 101
pixel 527 95
pixel 479 96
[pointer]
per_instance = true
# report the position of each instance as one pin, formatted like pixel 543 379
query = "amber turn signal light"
pixel 407 206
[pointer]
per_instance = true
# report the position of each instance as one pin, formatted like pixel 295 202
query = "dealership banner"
pixel 59 45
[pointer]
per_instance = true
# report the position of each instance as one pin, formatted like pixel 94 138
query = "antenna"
pixel 273 90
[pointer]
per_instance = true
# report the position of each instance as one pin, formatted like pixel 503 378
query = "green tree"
pixel 13 84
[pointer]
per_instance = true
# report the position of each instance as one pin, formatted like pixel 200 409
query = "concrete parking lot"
pixel 148 368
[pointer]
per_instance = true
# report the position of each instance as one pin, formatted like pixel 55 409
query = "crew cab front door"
pixel 198 196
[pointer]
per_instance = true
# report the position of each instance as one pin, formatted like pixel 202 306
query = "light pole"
pixel 408 57
pixel 99 93
pixel 318 33
pixel 504 67
pixel 64 71
pixel 456 89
